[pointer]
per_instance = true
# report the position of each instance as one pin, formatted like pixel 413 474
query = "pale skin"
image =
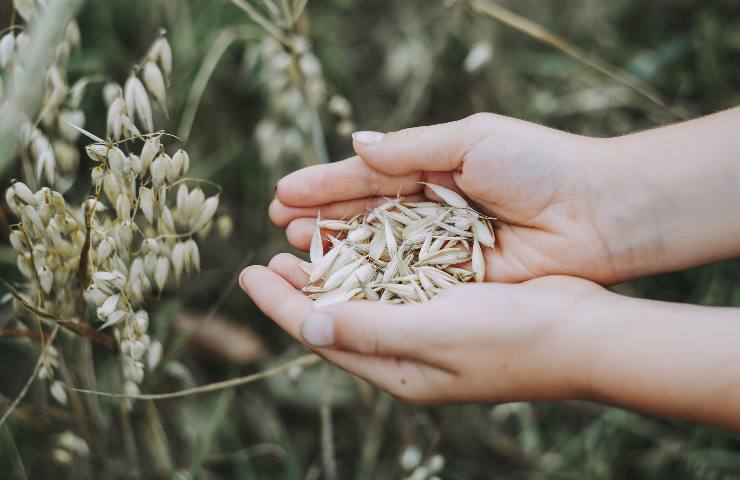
pixel 577 213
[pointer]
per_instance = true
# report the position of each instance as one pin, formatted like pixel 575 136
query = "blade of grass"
pixel 12 455
pixel 214 425
pixel 222 42
pixel 541 34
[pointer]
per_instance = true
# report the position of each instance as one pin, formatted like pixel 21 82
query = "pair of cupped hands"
pixel 532 328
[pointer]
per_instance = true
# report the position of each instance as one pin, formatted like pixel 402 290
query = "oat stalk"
pixel 538 32
pixel 303 360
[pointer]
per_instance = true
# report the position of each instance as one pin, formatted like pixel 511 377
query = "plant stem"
pixel 538 32
pixel 328 455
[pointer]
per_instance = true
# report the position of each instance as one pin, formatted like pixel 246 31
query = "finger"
pixel 289 267
pixel 433 148
pixel 281 214
pixel 370 328
pixel 299 232
pixel 277 299
pixel 345 180
pixel 362 327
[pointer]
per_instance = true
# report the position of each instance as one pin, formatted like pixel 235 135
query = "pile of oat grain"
pixel 399 252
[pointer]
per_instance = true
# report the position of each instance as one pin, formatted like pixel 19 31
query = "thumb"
pixel 364 327
pixel 436 148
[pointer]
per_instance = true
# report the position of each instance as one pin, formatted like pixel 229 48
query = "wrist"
pixel 587 332
pixel 622 198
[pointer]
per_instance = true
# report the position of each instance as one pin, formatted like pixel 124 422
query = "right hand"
pixel 541 183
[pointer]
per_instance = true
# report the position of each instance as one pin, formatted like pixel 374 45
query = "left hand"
pixel 473 343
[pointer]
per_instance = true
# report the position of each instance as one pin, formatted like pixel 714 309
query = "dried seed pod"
pixel 206 213
pixel 111 188
pixel 123 207
pixel 338 277
pixel 161 52
pixel 23 192
pixel 46 278
pixel 154 354
pixel 116 317
pixel 155 82
pixel 115 112
pixel 317 248
pixel 137 103
pixel 180 164
pixel 146 203
pixel 116 160
pixel 149 152
pixel 161 272
pixel 97 152
pixel 450 197
pixel 482 232
pixel 58 392
pixel 108 307
pixel 158 170
pixel 325 263
pixel 390 239
pixel 178 259
pixel 140 321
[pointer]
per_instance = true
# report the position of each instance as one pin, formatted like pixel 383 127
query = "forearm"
pixel 668 359
pixel 672 195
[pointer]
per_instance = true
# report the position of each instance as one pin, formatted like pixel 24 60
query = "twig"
pixel 211 387
pixel 80 328
pixel 18 398
pixel 539 33
pixel 24 96
pixel 374 438
pixel 328 457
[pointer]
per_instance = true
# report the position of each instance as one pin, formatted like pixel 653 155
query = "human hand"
pixel 549 338
pixel 472 343
pixel 536 180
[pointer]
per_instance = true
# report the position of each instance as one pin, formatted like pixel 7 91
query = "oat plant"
pixel 91 270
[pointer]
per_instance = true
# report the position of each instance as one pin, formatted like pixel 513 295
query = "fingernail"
pixel 318 330
pixel 367 137
pixel 242 277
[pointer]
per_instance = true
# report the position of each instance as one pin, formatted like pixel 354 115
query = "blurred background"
pixel 250 111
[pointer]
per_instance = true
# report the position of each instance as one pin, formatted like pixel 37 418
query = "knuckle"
pixel 480 118
pixel 408 134
pixel 369 343
pixel 278 260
